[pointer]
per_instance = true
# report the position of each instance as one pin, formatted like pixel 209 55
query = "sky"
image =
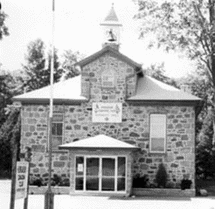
pixel 77 27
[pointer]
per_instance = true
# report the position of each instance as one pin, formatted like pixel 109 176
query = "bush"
pixel 140 181
pixel 161 176
pixel 36 181
pixel 186 184
pixel 55 180
pixel 65 182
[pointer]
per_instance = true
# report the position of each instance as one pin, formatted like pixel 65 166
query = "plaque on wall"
pixel 107 112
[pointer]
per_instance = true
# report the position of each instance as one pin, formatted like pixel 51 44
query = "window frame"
pixel 108 73
pixel 116 175
pixel 56 136
pixel 165 134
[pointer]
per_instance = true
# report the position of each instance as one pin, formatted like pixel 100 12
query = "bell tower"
pixel 111 29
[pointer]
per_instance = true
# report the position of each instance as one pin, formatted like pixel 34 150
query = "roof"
pixel 114 52
pixel 111 18
pixel 149 88
pixel 99 141
pixel 68 90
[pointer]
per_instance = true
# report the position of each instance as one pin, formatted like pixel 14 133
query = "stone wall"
pixel 178 159
pixel 125 78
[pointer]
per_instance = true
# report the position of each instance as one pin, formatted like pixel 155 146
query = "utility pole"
pixel 14 149
pixel 28 159
pixel 49 195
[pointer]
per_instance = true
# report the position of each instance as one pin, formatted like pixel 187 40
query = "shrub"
pixel 140 181
pixel 65 182
pixel 161 176
pixel 186 184
pixel 36 181
pixel 56 180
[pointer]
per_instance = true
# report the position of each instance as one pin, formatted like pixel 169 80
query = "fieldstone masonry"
pixel 179 158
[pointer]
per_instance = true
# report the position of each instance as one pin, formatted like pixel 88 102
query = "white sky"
pixel 77 28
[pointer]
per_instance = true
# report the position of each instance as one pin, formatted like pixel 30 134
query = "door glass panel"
pixel 107 184
pixel 108 167
pixel 121 166
pixel 92 166
pixel 92 174
pixel 121 171
pixel 79 171
pixel 108 174
pixel 92 183
pixel 79 183
pixel 79 165
pixel 121 184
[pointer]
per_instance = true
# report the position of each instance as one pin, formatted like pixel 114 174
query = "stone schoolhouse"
pixel 110 124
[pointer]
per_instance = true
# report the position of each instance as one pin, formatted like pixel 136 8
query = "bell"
pixel 111 36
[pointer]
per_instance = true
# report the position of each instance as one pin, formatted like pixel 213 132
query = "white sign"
pixel 107 112
pixel 80 168
pixel 21 179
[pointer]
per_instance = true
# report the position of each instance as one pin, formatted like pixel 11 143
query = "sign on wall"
pixel 21 179
pixel 107 112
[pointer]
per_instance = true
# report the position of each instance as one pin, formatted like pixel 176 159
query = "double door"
pixel 101 174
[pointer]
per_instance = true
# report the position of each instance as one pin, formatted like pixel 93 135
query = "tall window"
pixel 108 79
pixel 57 130
pixel 157 133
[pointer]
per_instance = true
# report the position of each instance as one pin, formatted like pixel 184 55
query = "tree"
pixel 7 90
pixel 38 66
pixel 157 71
pixel 205 154
pixel 185 25
pixel 3 28
pixel 10 127
pixel 68 64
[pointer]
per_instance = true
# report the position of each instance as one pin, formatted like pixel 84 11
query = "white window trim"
pixel 165 131
pixel 100 173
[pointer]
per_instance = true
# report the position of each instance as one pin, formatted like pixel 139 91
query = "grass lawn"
pixel 209 185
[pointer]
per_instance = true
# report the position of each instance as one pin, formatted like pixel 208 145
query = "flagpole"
pixel 49 195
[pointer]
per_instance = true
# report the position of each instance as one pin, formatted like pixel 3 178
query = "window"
pixel 157 133
pixel 100 173
pixel 57 130
pixel 108 79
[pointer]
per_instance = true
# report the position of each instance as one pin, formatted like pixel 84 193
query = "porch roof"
pixel 99 141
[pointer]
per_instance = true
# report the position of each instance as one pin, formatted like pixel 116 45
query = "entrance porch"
pixel 100 165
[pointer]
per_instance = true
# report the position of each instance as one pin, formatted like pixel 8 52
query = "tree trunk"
pixel 212 57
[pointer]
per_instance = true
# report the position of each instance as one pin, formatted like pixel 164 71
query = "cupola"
pixel 111 29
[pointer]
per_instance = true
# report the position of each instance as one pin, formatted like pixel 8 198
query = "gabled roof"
pixel 114 52
pixel 150 89
pixel 99 141
pixel 64 91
